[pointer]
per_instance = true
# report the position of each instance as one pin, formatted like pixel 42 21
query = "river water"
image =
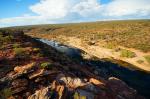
pixel 136 79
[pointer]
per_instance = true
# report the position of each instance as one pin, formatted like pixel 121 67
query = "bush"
pixel 140 61
pixel 78 96
pixel 39 55
pixel 8 38
pixel 46 65
pixel 20 52
pixel 147 58
pixel 36 50
pixel 1 33
pixel 16 45
pixel 5 93
pixel 127 53
pixel 110 46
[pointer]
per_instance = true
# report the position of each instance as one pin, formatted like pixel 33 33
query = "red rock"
pixel 24 69
pixel 70 82
pixel 120 88
pixel 96 82
pixel 44 93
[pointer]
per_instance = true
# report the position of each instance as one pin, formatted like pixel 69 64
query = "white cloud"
pixel 127 7
pixel 24 20
pixel 60 11
pixel 51 8
pixel 87 7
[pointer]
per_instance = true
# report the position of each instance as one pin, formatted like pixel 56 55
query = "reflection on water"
pixel 72 52
pixel 136 79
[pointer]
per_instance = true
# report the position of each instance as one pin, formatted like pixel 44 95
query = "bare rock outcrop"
pixel 121 89
pixel 42 94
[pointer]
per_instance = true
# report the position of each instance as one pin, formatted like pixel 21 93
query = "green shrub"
pixel 127 53
pixel 46 65
pixel 16 45
pixel 110 46
pixel 82 97
pixel 39 55
pixel 78 96
pixel 1 33
pixel 140 61
pixel 36 49
pixel 147 58
pixel 20 52
pixel 5 93
pixel 7 38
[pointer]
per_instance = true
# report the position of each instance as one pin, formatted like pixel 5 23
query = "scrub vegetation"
pixel 131 33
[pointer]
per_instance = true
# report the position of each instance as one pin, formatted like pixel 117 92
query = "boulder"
pixel 70 82
pixel 96 82
pixel 24 69
pixel 45 93
pixel 120 88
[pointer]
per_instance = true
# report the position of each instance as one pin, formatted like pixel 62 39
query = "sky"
pixel 30 12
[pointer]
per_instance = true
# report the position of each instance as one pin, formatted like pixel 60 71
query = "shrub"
pixel 36 49
pixel 127 53
pixel 82 97
pixel 39 55
pixel 16 45
pixel 110 46
pixel 78 96
pixel 20 52
pixel 7 39
pixel 1 33
pixel 5 93
pixel 140 61
pixel 46 65
pixel 147 58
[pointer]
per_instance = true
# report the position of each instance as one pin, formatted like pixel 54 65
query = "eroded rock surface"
pixel 91 89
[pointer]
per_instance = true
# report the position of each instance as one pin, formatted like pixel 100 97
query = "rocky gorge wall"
pixel 33 70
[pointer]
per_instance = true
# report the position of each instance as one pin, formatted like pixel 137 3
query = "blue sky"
pixel 13 8
pixel 28 12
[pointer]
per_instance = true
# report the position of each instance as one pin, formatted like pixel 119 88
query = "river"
pixel 136 79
